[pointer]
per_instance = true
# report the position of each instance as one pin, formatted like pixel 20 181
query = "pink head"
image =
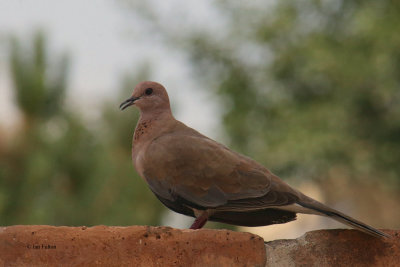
pixel 148 97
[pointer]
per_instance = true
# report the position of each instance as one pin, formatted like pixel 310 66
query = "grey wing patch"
pixel 160 188
pixel 272 199
pixel 211 198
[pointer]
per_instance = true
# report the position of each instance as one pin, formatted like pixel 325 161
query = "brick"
pixel 127 246
pixel 335 248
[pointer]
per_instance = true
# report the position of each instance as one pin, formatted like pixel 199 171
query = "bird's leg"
pixel 200 220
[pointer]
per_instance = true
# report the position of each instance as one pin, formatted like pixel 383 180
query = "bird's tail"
pixel 338 216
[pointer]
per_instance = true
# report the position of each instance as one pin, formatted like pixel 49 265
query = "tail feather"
pixel 357 224
pixel 338 216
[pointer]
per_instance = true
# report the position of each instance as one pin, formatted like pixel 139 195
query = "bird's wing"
pixel 209 175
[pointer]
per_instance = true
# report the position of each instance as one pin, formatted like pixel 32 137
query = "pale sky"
pixel 105 40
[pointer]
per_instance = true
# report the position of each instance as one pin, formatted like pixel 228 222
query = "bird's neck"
pixel 149 125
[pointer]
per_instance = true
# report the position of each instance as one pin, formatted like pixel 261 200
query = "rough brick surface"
pixel 335 248
pixel 164 246
pixel 127 246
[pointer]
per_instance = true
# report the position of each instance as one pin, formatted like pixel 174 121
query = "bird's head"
pixel 148 96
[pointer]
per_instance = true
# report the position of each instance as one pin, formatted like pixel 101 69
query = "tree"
pixel 310 88
pixel 39 88
pixel 57 170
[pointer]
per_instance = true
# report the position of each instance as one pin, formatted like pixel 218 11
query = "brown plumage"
pixel 196 176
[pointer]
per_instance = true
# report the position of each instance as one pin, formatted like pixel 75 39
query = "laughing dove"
pixel 193 175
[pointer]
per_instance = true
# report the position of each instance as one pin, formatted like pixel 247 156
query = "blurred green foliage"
pixel 308 87
pixel 56 169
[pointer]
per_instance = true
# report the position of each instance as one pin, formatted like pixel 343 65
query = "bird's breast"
pixel 142 128
pixel 138 161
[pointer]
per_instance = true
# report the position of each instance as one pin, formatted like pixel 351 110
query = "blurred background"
pixel 310 89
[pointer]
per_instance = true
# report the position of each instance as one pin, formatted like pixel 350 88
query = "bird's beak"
pixel 128 102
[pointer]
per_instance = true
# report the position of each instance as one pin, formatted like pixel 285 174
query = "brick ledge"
pixel 41 245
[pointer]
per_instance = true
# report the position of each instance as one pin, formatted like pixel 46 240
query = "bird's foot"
pixel 200 221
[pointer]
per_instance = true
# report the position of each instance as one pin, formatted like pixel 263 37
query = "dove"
pixel 196 176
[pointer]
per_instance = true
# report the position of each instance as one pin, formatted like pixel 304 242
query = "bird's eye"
pixel 149 91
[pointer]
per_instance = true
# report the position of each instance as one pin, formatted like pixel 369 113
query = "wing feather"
pixel 209 175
